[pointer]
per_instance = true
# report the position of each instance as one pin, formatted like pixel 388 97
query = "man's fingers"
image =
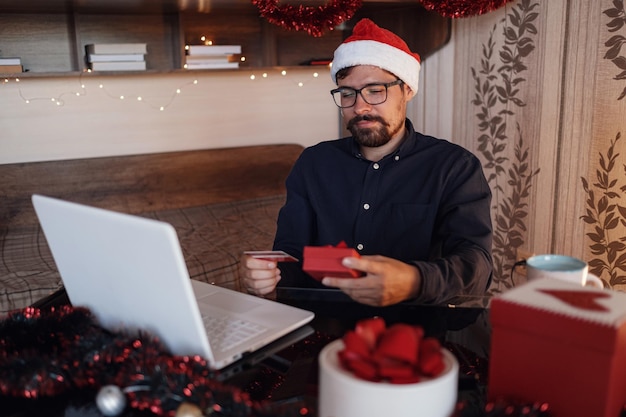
pixel 371 264
pixel 261 286
pixel 344 283
pixel 255 263
pixel 259 276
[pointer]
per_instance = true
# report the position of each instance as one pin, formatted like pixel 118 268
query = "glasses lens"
pixel 374 94
pixel 344 97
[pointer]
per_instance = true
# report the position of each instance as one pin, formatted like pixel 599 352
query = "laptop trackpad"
pixel 230 302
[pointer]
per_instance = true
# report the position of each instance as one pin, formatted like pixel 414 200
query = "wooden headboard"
pixel 150 182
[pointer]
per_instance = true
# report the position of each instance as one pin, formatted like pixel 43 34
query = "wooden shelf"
pixel 70 74
pixel 50 36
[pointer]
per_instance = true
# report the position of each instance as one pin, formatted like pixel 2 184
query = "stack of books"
pixel 10 65
pixel 211 56
pixel 116 56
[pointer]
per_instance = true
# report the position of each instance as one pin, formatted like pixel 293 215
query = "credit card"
pixel 271 255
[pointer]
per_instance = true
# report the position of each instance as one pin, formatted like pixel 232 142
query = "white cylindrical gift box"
pixel 341 394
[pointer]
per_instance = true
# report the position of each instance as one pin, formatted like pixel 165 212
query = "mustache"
pixel 367 118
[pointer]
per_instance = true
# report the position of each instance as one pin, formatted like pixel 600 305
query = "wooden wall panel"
pixel 570 116
pixel 156 30
pixel 42 41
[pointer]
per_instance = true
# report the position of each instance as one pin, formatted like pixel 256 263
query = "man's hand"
pixel 388 281
pixel 259 276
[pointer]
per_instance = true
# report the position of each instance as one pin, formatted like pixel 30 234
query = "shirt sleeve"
pixel 460 260
pixel 295 230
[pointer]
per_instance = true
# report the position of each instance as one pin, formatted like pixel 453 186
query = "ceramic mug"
pixel 566 268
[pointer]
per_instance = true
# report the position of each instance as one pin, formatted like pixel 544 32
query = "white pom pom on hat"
pixel 370 44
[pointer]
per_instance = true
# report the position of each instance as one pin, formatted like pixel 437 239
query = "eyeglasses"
pixel 372 94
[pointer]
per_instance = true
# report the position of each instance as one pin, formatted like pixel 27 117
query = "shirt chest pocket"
pixel 409 230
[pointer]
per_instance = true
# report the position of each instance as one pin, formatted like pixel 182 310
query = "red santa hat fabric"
pixel 370 44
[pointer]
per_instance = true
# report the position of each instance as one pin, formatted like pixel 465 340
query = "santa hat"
pixel 370 44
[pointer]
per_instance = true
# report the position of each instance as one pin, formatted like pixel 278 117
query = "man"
pixel 416 208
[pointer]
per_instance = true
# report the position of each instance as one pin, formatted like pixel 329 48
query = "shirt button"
pixel 359 246
pixel 397 158
pixel 366 206
pixel 376 166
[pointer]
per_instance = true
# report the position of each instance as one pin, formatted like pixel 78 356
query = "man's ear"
pixel 409 93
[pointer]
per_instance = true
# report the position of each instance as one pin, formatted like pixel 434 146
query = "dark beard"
pixel 371 138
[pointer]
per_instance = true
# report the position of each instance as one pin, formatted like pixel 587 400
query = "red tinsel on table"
pixel 312 19
pixel 47 353
pixel 462 8
pixel 62 350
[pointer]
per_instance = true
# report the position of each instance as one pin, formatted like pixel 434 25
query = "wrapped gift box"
pixel 325 261
pixel 341 394
pixel 562 344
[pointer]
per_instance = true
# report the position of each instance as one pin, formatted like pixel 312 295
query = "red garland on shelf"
pixel 462 8
pixel 313 20
pixel 316 19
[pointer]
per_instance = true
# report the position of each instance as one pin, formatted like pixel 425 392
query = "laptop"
pixel 131 273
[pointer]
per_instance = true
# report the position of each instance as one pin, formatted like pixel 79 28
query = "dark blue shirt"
pixel 427 204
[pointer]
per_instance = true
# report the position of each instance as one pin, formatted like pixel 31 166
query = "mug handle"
pixel 594 281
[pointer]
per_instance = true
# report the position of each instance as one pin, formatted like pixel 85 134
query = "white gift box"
pixel 341 394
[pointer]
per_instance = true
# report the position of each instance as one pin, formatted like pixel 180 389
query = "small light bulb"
pixel 139 98
pixel 265 75
pixel 283 72
pixel 178 91
pixel 300 84
pixel 121 97
pixel 315 75
pixel 161 108
pixel 252 77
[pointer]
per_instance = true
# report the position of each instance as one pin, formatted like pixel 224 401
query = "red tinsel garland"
pixel 49 353
pixel 462 8
pixel 313 20
pixel 316 20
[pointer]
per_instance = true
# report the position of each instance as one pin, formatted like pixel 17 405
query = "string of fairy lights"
pixel 112 92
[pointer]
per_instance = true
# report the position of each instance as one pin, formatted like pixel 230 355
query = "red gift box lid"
pixel 321 261
pixel 558 309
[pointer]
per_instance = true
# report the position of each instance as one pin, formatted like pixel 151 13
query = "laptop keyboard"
pixel 228 332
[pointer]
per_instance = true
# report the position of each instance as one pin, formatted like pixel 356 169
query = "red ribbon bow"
pixel 399 354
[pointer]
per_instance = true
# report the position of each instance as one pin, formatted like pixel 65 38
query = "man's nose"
pixel 360 105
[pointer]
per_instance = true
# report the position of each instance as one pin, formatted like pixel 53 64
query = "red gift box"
pixel 325 261
pixel 562 344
